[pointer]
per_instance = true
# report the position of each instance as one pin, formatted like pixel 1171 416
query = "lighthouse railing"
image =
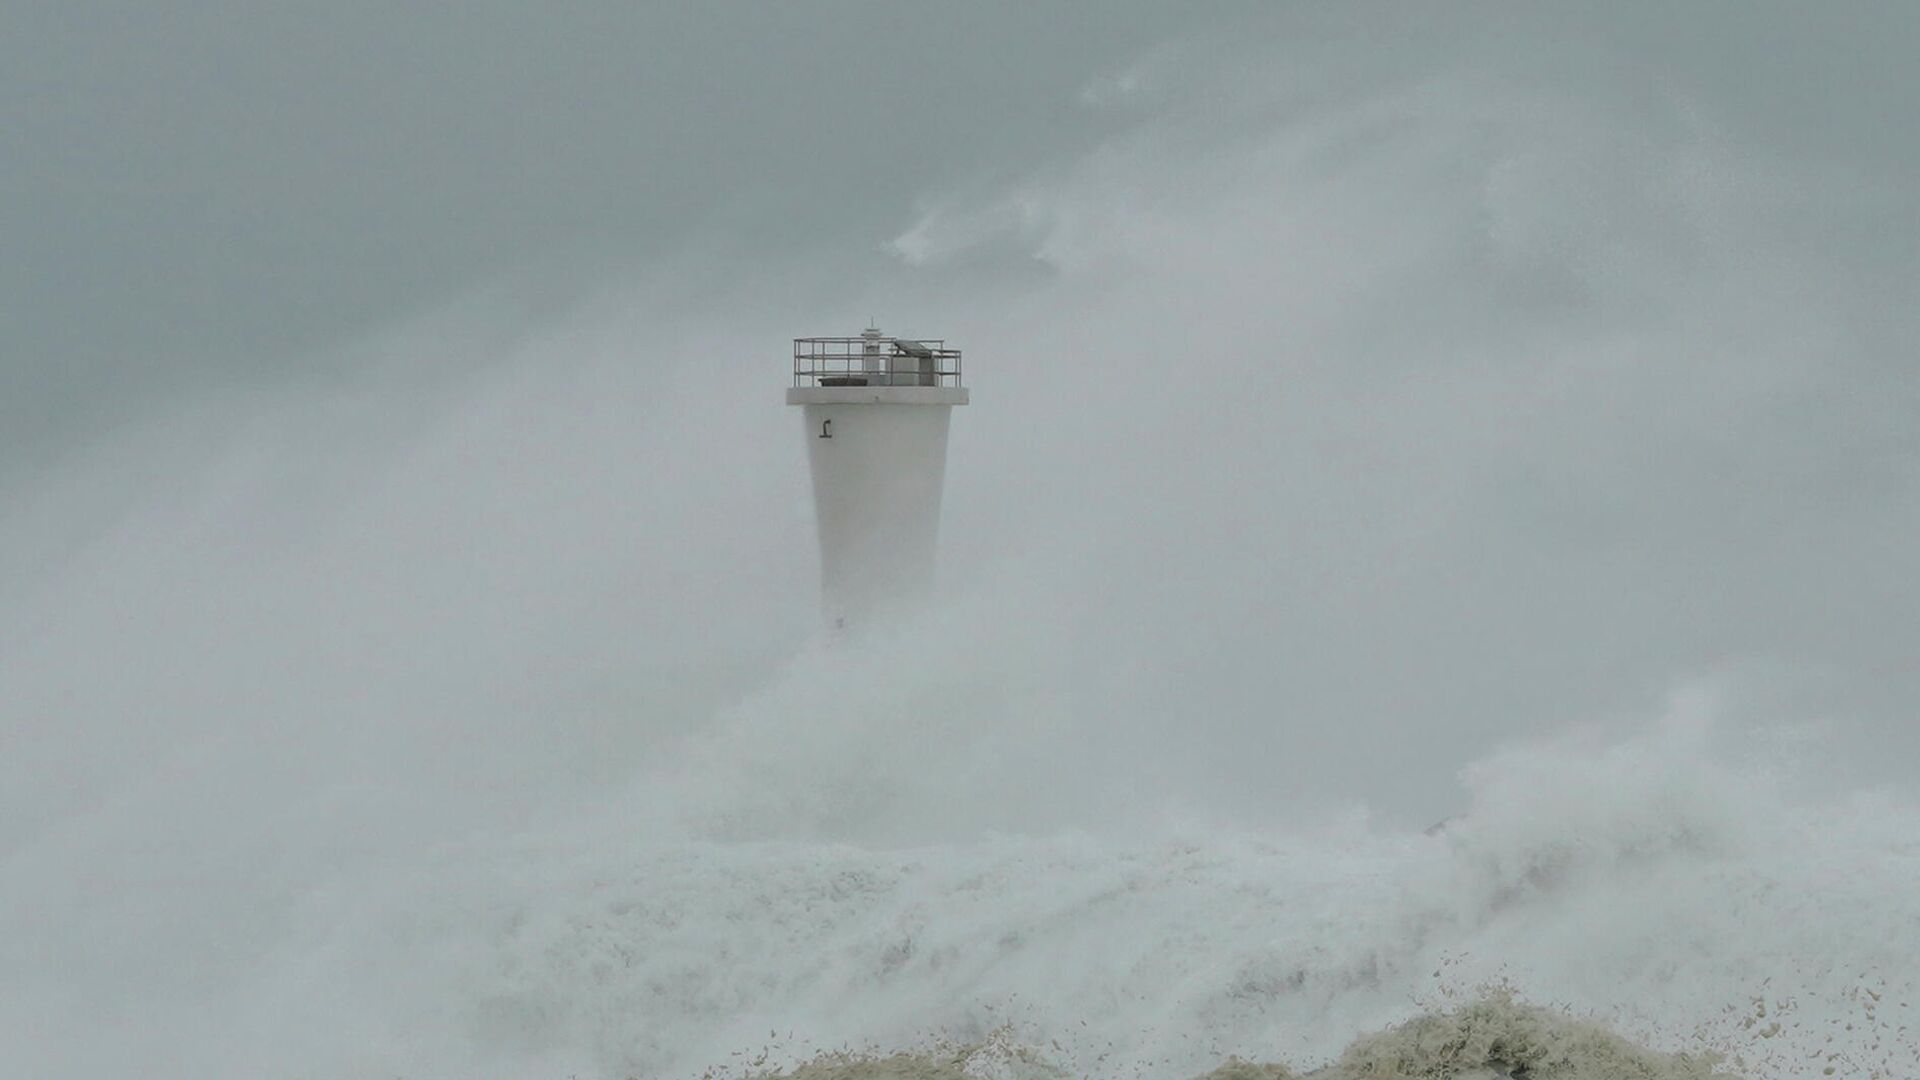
pixel 866 361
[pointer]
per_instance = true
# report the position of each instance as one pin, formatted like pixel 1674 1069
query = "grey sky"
pixel 1356 386
pixel 219 191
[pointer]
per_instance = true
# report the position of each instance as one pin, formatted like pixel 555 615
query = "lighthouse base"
pixel 879 458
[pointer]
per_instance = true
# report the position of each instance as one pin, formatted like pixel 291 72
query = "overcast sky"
pixel 210 191
pixel 199 192
pixel 1357 386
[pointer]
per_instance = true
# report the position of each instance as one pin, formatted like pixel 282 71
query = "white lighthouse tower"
pixel 876 410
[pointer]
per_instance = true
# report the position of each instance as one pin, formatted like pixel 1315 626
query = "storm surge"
pixel 761 899
pixel 893 883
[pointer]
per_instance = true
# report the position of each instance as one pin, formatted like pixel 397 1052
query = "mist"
pixel 1380 416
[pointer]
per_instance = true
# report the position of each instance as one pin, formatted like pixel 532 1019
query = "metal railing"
pixel 868 361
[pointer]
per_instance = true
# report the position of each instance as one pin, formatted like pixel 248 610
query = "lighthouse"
pixel 876 411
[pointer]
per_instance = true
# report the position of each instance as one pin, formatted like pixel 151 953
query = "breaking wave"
pixel 1648 896
pixel 832 874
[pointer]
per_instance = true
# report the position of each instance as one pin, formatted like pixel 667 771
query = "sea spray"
pixel 1647 885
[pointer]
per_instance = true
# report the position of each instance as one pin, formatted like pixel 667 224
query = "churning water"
pixel 804 881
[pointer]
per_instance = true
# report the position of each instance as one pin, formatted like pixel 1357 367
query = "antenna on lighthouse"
pixel 876 411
